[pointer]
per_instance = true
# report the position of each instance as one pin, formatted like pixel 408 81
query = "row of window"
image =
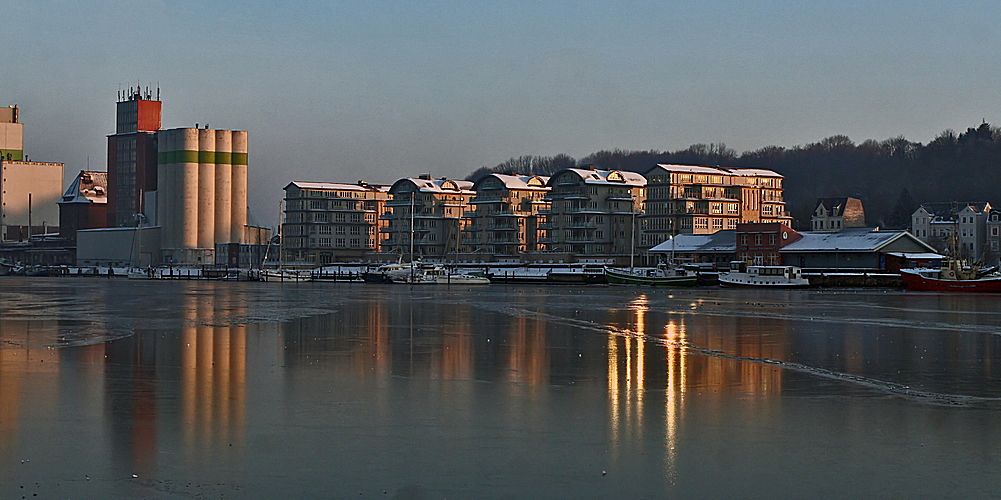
pixel 330 242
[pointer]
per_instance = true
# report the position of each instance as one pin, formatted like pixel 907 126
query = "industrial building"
pixel 11 135
pixel 84 205
pixel 132 159
pixel 201 198
pixel 29 191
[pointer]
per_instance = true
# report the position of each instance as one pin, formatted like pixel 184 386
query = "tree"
pixel 900 216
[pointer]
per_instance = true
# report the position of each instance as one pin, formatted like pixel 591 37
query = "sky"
pixel 341 91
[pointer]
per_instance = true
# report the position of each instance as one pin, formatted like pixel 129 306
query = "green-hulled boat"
pixel 650 277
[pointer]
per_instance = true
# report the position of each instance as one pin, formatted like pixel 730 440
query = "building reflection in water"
pixel 528 358
pixel 23 354
pixel 674 395
pixel 633 367
pixel 213 376
pixel 457 356
pixel 626 372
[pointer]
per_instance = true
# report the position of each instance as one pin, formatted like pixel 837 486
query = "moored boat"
pixel 283 275
pixel 382 274
pixel 661 276
pixel 952 277
pixel 765 277
pixel 462 279
pixel 915 281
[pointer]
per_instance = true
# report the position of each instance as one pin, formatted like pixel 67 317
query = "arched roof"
pixel 604 177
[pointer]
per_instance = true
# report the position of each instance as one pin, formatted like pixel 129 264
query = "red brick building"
pixel 132 156
pixel 759 243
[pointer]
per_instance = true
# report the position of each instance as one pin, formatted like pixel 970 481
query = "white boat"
pixel 283 275
pixel 765 277
pixel 418 274
pixel 462 279
pixel 386 273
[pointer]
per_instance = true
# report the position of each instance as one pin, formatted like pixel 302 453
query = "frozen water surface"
pixel 147 389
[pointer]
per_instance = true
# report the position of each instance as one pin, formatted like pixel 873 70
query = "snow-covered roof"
pixel 334 186
pixel 849 240
pixel 949 209
pixel 754 172
pixel 917 256
pixel 87 187
pixel 440 186
pixel 608 177
pixel 724 241
pixel 528 182
pixel 692 169
pixel 737 171
pixel 834 206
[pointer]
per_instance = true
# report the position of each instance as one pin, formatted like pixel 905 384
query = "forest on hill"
pixel 891 177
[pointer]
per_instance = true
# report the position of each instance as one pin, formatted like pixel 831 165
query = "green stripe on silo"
pixel 183 156
pixel 206 157
pixel 188 156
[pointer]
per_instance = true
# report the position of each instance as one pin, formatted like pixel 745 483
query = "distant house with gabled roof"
pixel 835 214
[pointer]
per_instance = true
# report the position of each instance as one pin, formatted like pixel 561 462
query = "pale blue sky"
pixel 347 90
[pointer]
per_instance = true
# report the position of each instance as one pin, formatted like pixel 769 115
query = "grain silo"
pixel 202 198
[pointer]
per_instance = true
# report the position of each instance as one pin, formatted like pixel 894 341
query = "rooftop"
pixel 87 187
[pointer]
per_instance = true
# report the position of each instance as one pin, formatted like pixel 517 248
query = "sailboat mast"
pixel 281 237
pixel 632 235
pixel 413 194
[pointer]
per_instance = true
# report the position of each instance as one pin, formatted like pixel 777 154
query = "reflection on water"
pixel 636 374
pixel 213 380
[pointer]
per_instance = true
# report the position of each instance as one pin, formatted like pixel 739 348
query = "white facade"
pixel 29 191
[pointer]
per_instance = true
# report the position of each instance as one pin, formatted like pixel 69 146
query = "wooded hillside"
pixel 891 177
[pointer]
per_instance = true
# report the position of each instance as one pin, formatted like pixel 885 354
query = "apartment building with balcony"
pixel 691 199
pixel 328 222
pixel 426 217
pixel 504 218
pixel 593 213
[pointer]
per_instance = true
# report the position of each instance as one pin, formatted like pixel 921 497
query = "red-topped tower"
pixel 132 155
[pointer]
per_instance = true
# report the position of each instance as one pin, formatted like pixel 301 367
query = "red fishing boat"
pixel 953 277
